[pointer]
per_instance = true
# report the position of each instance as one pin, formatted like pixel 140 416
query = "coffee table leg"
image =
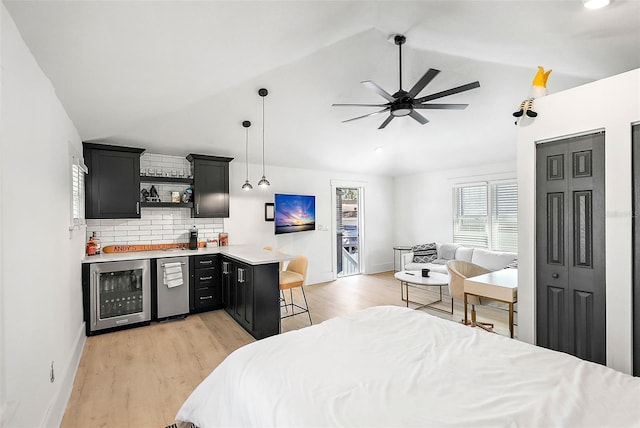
pixel 406 286
pixel 511 319
pixel 465 309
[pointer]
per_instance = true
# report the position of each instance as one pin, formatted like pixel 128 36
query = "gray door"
pixel 636 250
pixel 570 235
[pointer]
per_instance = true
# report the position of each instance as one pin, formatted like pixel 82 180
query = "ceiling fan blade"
pixel 417 116
pixel 448 92
pixel 386 121
pixel 366 115
pixel 424 81
pixel 440 106
pixel 359 105
pixel 378 90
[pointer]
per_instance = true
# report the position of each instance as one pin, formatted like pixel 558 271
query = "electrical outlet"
pixel 52 374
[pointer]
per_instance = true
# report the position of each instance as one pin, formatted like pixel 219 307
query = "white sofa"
pixel 492 260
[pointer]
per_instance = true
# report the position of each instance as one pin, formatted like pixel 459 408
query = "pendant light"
pixel 263 183
pixel 247 186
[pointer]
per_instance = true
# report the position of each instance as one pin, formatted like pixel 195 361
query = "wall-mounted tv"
pixel 294 213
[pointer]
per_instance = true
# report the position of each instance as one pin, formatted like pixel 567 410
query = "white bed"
pixel 391 366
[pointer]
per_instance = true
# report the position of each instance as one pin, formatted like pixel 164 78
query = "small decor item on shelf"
pixel 187 195
pixel 144 195
pixel 175 197
pixel 223 239
pixel 153 195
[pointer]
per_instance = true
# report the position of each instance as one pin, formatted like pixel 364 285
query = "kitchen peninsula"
pixel 242 279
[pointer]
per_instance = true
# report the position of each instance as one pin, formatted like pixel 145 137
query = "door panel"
pixel 570 269
pixel 636 249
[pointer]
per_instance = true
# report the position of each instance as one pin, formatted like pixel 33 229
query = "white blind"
pixel 78 170
pixel 486 215
pixel 470 216
pixel 504 216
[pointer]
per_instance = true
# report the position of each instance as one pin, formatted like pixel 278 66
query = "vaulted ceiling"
pixel 179 77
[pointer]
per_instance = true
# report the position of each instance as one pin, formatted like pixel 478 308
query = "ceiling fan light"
pixel 401 109
pixel 595 4
pixel 264 183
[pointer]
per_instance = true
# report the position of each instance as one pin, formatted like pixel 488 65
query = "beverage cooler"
pixel 119 294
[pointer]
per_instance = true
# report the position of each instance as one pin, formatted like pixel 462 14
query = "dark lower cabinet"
pixel 205 290
pixel 250 294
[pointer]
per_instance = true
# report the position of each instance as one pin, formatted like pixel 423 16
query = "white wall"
pixel 41 305
pixel 246 224
pixel 423 203
pixel 612 104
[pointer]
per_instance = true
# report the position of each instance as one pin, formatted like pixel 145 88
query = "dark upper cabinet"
pixel 210 185
pixel 113 183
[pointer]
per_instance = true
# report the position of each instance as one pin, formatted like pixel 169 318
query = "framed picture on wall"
pixel 268 211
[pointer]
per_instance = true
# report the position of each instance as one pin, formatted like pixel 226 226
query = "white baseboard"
pixel 383 267
pixel 55 413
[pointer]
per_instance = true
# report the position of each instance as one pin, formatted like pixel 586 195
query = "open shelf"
pixel 151 179
pixel 167 204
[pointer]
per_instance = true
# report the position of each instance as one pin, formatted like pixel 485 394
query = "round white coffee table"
pixel 414 278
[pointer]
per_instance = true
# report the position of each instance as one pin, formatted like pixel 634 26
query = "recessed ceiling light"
pixel 595 4
pixel 378 149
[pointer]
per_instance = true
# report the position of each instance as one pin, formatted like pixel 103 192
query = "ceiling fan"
pixel 404 103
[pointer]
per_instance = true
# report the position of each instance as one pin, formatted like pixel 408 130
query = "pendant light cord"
pixel 246 151
pixel 263 136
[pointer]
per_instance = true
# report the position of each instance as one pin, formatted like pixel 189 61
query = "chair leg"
pixel 483 325
pixel 306 304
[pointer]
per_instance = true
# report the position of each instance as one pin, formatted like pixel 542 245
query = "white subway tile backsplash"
pixel 126 228
pixel 157 225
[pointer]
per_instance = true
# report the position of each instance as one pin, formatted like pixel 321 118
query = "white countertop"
pixel 245 253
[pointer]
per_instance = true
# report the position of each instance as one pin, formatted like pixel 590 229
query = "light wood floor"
pixel 140 377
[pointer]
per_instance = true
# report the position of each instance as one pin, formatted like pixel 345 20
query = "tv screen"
pixel 294 213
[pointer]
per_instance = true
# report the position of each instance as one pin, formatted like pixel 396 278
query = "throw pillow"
pixel 424 253
pixel 448 251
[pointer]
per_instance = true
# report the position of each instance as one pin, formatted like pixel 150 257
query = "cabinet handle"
pixel 555 276
pixel 205 278
pixel 240 275
pixel 97 294
pixel 197 208
pixel 206 262
pixel 137 207
pixel 206 297
pixel 225 268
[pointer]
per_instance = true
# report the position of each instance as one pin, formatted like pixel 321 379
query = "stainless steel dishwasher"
pixel 172 286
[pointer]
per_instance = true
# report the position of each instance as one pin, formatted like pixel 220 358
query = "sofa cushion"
pixel 464 254
pixel 424 253
pixel 447 251
pixel 492 260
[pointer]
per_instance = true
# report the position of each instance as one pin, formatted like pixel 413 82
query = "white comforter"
pixel 391 366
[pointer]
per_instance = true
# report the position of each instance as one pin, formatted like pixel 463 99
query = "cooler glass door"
pixel 120 293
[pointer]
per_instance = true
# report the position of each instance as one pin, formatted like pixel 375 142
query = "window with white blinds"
pixel 486 215
pixel 78 170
